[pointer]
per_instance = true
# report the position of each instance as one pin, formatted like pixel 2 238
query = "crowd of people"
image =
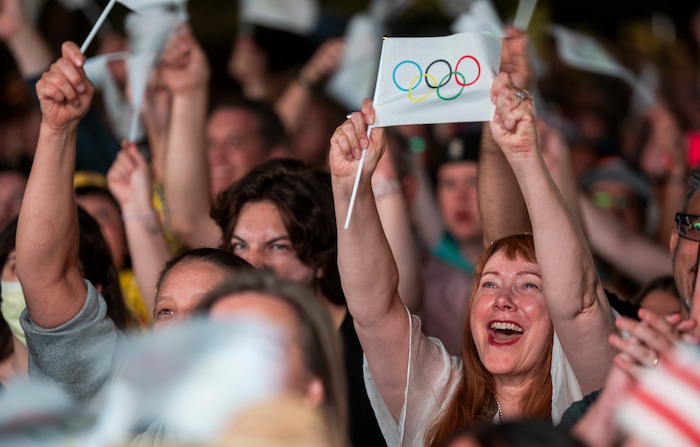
pixel 524 281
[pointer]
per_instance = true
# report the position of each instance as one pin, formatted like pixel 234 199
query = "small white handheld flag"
pixel 354 79
pixel 585 53
pixel 427 80
pixel 296 16
pixel 134 5
pixel 482 17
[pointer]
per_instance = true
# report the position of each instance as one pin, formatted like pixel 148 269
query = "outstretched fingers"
pixel 644 342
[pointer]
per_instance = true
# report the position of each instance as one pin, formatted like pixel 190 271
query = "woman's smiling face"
pixel 509 320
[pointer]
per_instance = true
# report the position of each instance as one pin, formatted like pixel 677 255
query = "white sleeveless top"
pixel 432 378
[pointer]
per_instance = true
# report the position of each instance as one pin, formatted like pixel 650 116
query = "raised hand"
pixel 347 143
pixel 323 62
pixel 664 154
pixel 12 18
pixel 183 65
pixel 129 180
pixel 646 342
pixel 64 91
pixel 248 65
pixel 513 126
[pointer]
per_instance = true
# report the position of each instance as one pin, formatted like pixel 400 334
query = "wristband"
pixel 386 188
pixel 139 216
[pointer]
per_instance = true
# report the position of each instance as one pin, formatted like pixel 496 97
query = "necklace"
pixel 500 411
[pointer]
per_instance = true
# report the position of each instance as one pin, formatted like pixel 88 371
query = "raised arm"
pixel 184 70
pixel 296 97
pixel 574 293
pixel 24 41
pixel 635 255
pixel 129 180
pixel 501 205
pixel 367 268
pixel 396 222
pixel 47 232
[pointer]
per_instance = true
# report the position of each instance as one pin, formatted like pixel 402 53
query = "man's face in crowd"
pixel 234 146
pixel 684 252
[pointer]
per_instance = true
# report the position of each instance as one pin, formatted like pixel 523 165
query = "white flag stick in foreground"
pixel 429 80
pixel 353 196
pixel 97 26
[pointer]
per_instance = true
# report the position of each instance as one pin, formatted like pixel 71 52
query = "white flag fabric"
pixel 134 5
pixel 482 17
pixel 213 372
pixel 524 14
pixel 585 53
pixel 297 16
pixel 138 69
pixel 453 8
pixel 148 33
pixel 139 5
pixel 428 80
pixel 643 96
pixel 386 10
pixel 354 78
pixel 117 108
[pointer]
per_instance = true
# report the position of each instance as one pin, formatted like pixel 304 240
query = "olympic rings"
pixel 431 81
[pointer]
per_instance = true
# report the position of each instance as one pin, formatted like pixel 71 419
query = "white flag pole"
pixel 97 25
pixel 353 196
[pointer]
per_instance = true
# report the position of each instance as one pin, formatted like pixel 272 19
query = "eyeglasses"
pixel 688 226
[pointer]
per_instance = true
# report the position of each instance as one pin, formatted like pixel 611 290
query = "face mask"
pixel 12 306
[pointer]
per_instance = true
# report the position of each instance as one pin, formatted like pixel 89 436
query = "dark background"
pixel 611 21
pixel 215 24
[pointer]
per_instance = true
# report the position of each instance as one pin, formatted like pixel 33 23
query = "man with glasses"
pixel 684 248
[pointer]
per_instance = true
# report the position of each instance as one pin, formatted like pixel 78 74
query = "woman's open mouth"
pixel 504 332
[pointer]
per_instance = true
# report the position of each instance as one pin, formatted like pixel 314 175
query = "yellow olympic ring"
pixel 413 82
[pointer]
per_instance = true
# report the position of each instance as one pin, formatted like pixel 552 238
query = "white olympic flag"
pixel 428 80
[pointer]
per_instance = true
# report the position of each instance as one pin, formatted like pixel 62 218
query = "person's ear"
pixel 320 272
pixel 315 394
pixel 673 241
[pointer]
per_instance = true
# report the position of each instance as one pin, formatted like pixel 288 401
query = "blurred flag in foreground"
pixel 662 408
pixel 427 80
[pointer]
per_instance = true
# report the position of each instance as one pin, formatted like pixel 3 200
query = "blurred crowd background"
pixel 666 33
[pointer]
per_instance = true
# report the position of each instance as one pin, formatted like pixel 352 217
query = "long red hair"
pixel 474 399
